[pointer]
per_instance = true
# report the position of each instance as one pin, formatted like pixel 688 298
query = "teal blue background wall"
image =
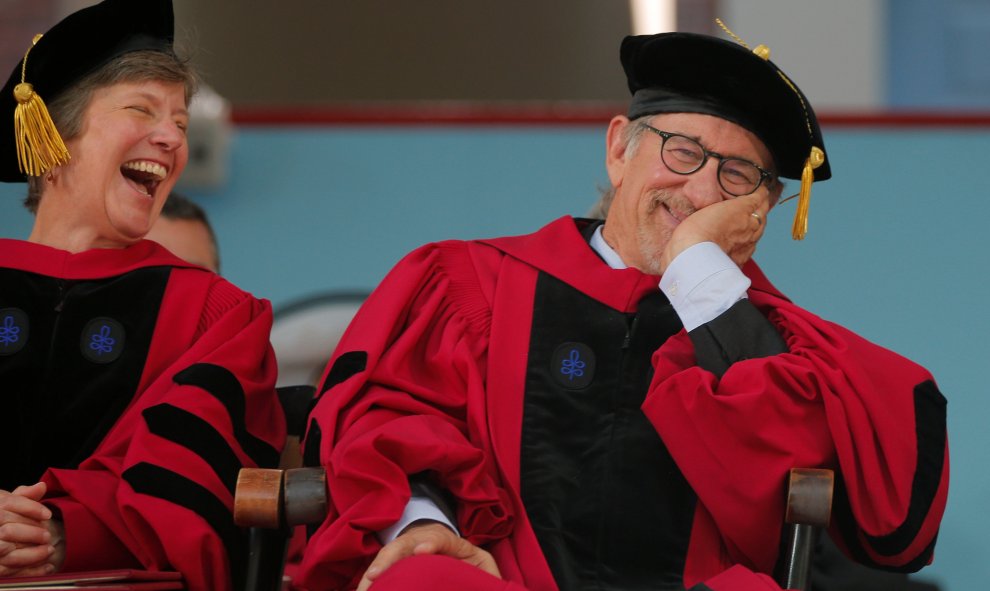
pixel 897 248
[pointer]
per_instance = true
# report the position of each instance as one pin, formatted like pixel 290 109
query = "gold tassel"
pixel 39 145
pixel 814 160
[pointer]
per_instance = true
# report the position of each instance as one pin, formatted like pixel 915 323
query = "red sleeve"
pixel 162 481
pixel 834 400
pixel 400 402
pixel 100 550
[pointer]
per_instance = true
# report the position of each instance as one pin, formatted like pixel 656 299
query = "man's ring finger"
pixel 759 219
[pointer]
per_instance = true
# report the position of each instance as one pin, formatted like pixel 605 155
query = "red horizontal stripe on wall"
pixel 431 113
pixel 562 113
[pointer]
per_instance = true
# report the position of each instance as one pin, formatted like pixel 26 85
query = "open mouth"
pixel 677 215
pixel 144 175
pixel 676 207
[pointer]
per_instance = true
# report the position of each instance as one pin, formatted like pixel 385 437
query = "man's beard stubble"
pixel 653 238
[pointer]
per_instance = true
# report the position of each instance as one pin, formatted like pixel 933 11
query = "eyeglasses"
pixel 683 155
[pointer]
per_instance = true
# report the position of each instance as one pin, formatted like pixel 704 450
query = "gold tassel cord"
pixel 800 228
pixel 729 32
pixel 760 50
pixel 815 159
pixel 39 145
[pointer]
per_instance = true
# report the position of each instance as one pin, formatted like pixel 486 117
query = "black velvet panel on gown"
pixel 610 508
pixel 80 351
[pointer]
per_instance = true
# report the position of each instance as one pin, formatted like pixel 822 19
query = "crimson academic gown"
pixel 434 380
pixel 136 386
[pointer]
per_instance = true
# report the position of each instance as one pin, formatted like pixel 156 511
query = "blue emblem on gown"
pixel 573 365
pixel 13 330
pixel 102 340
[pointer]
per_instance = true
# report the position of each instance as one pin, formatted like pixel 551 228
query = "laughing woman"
pixel 133 386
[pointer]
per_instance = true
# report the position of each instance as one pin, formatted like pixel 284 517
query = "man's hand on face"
pixel 429 538
pixel 730 224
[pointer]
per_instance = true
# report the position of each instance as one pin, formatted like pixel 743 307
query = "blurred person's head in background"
pixel 184 229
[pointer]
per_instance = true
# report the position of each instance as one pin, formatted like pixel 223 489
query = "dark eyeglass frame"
pixel 765 175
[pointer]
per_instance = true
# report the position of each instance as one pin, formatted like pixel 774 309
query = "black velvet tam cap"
pixel 690 73
pixel 78 45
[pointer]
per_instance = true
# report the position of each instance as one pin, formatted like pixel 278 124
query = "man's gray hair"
pixel 630 139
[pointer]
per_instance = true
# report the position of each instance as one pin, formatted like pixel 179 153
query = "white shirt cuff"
pixel 417 508
pixel 703 282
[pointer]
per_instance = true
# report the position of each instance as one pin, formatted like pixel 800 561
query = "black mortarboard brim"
pixel 691 73
pixel 78 45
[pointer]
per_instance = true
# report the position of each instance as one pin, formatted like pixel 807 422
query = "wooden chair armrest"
pixel 809 497
pixel 274 499
pixel 809 507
